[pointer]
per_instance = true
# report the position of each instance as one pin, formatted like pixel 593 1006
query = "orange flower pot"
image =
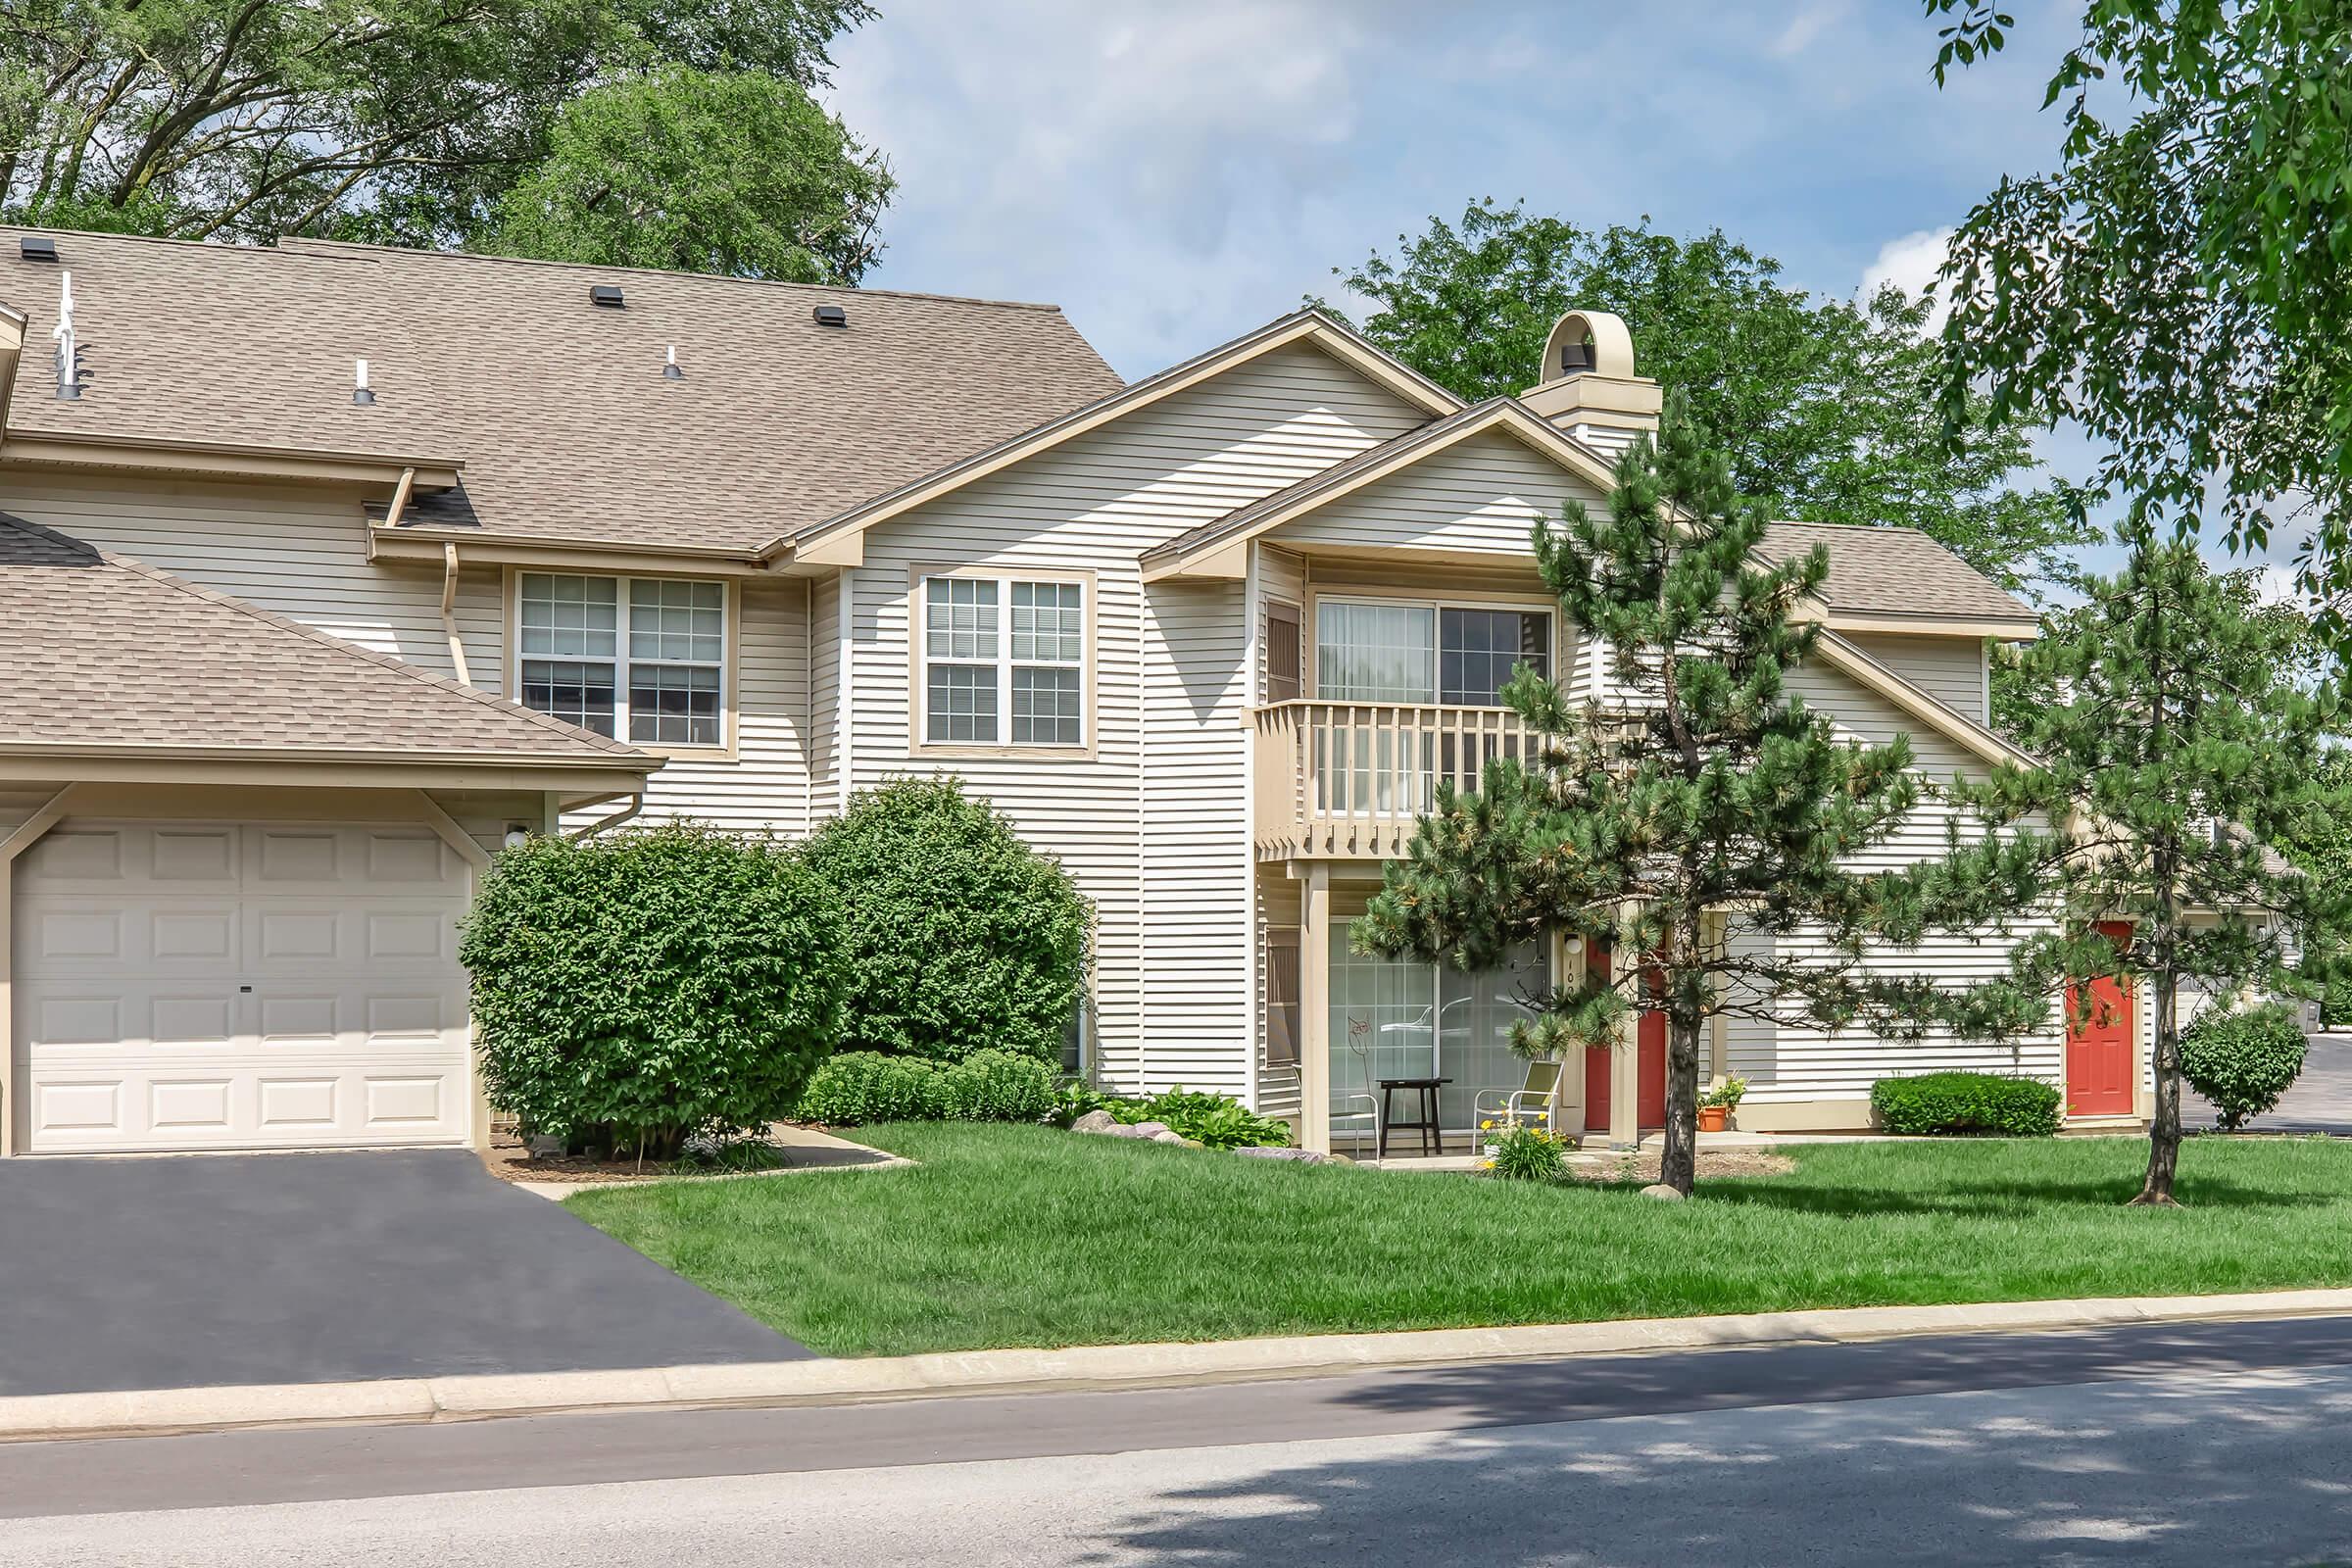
pixel 1713 1118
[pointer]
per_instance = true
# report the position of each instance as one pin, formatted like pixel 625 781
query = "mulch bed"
pixel 1642 1167
pixel 508 1159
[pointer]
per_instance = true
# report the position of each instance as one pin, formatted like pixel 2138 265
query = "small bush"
pixel 633 988
pixel 862 1086
pixel 1944 1103
pixel 1215 1121
pixel 996 1086
pixel 1525 1153
pixel 960 935
pixel 2244 1061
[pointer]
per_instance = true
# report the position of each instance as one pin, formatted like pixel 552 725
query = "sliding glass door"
pixel 1396 1018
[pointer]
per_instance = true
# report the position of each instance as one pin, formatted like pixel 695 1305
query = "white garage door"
pixel 239 985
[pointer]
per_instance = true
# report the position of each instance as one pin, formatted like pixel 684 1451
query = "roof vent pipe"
pixel 830 316
pixel 359 391
pixel 670 366
pixel 68 352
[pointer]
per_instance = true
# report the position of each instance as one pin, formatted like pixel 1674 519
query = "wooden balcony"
pixel 1349 780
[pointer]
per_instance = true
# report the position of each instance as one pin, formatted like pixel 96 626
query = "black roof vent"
pixel 830 316
pixel 38 248
pixel 606 294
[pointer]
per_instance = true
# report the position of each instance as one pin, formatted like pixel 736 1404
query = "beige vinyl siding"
pixel 1950 670
pixel 824 699
pixel 1171 986
pixel 301 552
pixel 1483 493
pixel 1792 1060
pixel 1610 441
pixel 764 785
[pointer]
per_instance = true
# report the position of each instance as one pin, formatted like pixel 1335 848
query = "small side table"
pixel 1433 1140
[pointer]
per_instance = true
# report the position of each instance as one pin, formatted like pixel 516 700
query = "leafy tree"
pixel 1826 410
pixel 1705 807
pixel 739 173
pixel 2177 285
pixel 403 121
pixel 2319 844
pixel 2174 752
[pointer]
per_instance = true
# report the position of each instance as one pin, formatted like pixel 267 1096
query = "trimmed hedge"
pixel 2244 1061
pixel 1958 1104
pixel 867 1086
pixel 961 936
pixel 636 988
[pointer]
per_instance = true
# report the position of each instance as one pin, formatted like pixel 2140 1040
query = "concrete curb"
pixel 159 1412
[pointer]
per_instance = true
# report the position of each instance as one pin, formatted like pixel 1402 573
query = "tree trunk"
pixel 2164 1132
pixel 1678 1164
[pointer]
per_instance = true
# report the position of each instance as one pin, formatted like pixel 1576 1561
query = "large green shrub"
pixel 961 936
pixel 2244 1061
pixel 865 1085
pixel 632 989
pixel 1940 1103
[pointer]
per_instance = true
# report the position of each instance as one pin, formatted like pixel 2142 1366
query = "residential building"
pixel 333 567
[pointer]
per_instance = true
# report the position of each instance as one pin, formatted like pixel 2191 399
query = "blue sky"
pixel 1173 173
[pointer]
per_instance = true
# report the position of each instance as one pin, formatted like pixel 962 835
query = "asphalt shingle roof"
pixel 1896 571
pixel 557 408
pixel 109 653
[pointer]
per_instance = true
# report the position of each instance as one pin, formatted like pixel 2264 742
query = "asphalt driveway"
pixel 197 1270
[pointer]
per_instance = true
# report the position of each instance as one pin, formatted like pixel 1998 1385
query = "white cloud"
pixel 1808 23
pixel 1911 263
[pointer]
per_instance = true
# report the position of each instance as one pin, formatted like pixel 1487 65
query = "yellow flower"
pixel 1487 1124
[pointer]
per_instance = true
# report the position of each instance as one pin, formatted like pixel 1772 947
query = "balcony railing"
pixel 1350 779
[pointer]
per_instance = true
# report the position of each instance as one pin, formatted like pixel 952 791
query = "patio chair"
pixel 1536 1099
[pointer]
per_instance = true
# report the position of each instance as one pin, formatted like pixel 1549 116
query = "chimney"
pixel 1588 387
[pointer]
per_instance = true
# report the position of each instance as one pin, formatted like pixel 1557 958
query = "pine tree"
pixel 2179 729
pixel 1702 805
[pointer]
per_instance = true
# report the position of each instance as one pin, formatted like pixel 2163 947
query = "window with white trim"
pixel 640 656
pixel 1004 661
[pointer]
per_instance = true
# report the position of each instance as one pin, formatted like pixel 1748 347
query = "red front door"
pixel 1649 1069
pixel 2099 1043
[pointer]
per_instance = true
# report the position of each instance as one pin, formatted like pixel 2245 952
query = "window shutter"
pixel 1282 998
pixel 1282 652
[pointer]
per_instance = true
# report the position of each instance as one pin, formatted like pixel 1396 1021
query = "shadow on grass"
pixel 1995 1197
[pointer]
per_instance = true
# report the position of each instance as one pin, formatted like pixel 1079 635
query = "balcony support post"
pixel 1314 1009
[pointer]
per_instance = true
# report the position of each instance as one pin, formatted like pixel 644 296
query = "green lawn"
pixel 1009 1236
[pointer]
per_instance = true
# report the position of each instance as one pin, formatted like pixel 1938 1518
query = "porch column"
pixel 1314 1009
pixel 1625 1065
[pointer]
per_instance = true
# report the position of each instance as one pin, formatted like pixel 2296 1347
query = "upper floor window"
pixel 638 657
pixel 1389 651
pixel 1004 661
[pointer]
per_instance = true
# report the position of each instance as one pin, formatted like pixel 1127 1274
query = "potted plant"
pixel 1716 1105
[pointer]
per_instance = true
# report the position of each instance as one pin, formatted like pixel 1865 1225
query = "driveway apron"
pixel 210 1270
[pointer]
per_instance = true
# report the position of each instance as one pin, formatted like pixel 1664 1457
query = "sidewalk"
pixel 158 1412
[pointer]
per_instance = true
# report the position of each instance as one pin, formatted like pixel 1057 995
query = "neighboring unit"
pixel 280 665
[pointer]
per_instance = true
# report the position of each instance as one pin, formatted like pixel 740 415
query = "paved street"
pixel 2200 1443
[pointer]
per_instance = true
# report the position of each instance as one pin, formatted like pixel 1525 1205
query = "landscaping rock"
pixel 1168 1135
pixel 1095 1121
pixel 1147 1129
pixel 1297 1157
pixel 1660 1189
pixel 1123 1130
